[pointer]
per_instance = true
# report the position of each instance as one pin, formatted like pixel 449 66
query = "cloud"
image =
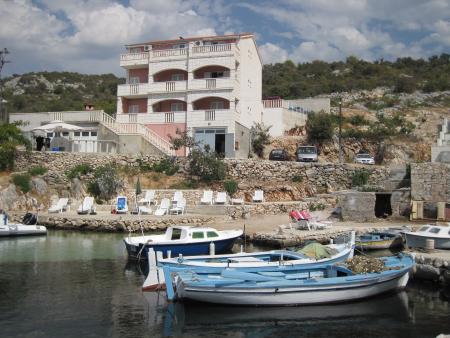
pixel 271 53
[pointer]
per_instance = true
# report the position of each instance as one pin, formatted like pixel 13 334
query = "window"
pixel 93 133
pixel 177 106
pixel 180 46
pixel 85 133
pixel 77 133
pixel 236 145
pixel 217 74
pixel 177 77
pixel 49 134
pixel 176 234
pixel 198 234
pixel 425 228
pixel 210 234
pixel 217 105
pixel 135 50
pixel 434 230
pixel 134 79
pixel 133 109
pixel 65 133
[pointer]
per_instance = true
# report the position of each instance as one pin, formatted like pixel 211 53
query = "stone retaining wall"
pixel 430 182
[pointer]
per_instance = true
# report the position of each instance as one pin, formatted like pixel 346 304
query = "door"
pixel 229 146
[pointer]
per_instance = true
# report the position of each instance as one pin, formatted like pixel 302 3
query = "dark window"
pixel 434 230
pixel 424 228
pixel 198 235
pixel 176 234
pixel 93 133
pixel 210 234
pixel 85 133
pixel 65 133
pixel 77 133
pixel 49 134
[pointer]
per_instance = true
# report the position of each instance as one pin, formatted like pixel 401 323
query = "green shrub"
pixel 318 206
pixel 167 165
pixel 260 138
pixel 10 137
pixel 187 184
pixel 230 186
pixel 320 127
pixel 79 170
pixel 360 178
pixel 35 171
pixel 106 183
pixel 23 181
pixel 368 188
pixel 206 165
pixel 297 178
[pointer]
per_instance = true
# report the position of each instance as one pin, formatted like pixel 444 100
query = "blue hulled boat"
pixel 184 240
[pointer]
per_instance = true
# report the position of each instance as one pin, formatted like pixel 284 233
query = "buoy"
pixel 212 249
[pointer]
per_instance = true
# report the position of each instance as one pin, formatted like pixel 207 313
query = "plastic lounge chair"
pixel 143 210
pixel 179 209
pixel 59 206
pixel 148 198
pixel 177 197
pixel 258 196
pixel 207 197
pixel 87 206
pixel 163 207
pixel 121 205
pixel 221 198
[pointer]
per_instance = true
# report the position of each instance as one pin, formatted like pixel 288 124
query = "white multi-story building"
pixel 210 86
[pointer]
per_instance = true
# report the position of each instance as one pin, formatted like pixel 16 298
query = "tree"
pixel 10 138
pixel 260 138
pixel 206 165
pixel 183 139
pixel 320 127
pixel 106 182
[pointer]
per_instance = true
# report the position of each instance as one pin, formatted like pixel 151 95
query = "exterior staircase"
pixel 118 128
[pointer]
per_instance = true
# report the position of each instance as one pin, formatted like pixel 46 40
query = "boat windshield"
pixel 425 228
pixel 176 234
pixel 210 234
pixel 434 230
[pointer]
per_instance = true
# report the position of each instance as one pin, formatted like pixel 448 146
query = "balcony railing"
pixel 210 115
pixel 202 117
pixel 132 59
pixel 132 89
pixel 212 48
pixel 169 86
pixel 216 83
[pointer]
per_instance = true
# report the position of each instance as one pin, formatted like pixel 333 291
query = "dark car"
pixel 279 155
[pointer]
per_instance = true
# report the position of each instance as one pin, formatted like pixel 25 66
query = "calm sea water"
pixel 71 284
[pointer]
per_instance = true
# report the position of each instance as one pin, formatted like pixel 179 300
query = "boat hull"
pixel 295 296
pixel 419 241
pixel 186 249
pixel 12 230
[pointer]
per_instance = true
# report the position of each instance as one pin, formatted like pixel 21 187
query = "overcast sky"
pixel 88 35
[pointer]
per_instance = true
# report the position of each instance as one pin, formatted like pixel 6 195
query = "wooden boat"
pixel 184 240
pixel 274 260
pixel 439 233
pixel 27 228
pixel 326 284
pixel 378 241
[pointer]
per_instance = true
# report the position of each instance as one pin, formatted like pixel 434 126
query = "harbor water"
pixel 71 284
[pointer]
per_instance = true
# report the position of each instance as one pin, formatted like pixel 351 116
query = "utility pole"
pixel 340 130
pixel 3 61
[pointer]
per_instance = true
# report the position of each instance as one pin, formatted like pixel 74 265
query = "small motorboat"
pixel 311 256
pixel 184 240
pixel 439 233
pixel 378 241
pixel 325 284
pixel 27 228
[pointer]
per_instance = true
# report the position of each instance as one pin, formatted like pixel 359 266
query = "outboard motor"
pixel 29 219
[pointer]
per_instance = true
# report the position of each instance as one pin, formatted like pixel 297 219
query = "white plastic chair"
pixel 87 206
pixel 59 206
pixel 163 207
pixel 207 197
pixel 177 196
pixel 221 198
pixel 258 196
pixel 143 210
pixel 179 209
pixel 148 198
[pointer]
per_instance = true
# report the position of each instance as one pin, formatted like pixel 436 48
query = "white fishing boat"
pixel 439 233
pixel 184 240
pixel 27 228
pixel 326 284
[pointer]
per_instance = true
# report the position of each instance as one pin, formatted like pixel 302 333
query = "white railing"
pixel 169 117
pixel 132 89
pixel 225 47
pixel 134 57
pixel 278 103
pixel 216 83
pixel 157 140
pixel 132 118
pixel 210 115
pixel 162 53
pixel 210 83
pixel 170 86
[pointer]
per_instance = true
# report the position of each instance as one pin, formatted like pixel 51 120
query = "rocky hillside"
pixel 57 91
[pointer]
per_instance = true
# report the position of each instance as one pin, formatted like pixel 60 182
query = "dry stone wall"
pixel 430 182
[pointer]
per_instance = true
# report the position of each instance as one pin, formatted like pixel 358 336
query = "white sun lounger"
pixel 59 206
pixel 207 197
pixel 148 198
pixel 143 210
pixel 179 209
pixel 87 206
pixel 258 196
pixel 163 207
pixel 221 198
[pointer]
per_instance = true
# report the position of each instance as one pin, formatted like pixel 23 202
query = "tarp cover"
pixel 317 251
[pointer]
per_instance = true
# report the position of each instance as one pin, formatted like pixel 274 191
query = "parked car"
pixel 279 155
pixel 364 158
pixel 307 154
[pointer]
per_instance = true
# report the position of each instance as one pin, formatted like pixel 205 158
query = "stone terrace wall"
pixel 330 175
pixel 430 182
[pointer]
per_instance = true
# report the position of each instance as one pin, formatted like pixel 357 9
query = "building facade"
pixel 209 86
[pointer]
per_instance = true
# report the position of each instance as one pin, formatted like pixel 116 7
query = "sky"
pixel 87 36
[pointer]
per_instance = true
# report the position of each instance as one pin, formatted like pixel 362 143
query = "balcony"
pixel 208 84
pixel 133 90
pixel 168 54
pixel 215 50
pixel 167 86
pixel 202 118
pixel 134 60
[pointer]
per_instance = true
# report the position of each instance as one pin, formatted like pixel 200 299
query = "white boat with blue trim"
pixel 439 233
pixel 325 284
